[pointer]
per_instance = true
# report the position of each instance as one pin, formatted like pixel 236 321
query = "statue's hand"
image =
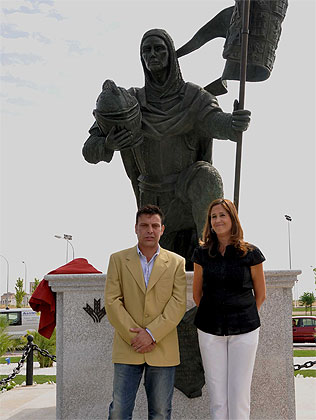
pixel 241 119
pixel 118 140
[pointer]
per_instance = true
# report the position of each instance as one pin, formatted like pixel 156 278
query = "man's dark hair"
pixel 150 209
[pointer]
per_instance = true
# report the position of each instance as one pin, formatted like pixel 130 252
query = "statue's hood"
pixel 174 82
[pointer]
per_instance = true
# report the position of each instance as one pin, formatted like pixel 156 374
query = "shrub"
pixel 18 344
pixel 44 344
pixel 6 341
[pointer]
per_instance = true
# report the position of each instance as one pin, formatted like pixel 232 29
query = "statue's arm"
pixel 94 150
pixel 218 124
pixel 224 126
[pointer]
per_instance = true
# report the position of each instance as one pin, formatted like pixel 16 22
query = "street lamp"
pixel 25 275
pixel 7 280
pixel 289 219
pixel 67 238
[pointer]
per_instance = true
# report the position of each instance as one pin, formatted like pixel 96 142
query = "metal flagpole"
pixel 242 86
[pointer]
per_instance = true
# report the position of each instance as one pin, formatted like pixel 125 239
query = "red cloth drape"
pixel 43 300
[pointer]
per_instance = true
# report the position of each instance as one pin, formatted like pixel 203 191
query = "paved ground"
pixel 38 402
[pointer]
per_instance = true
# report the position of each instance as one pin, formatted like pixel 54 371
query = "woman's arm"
pixel 259 284
pixel 197 283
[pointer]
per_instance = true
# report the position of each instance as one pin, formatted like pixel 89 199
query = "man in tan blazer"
pixel 145 299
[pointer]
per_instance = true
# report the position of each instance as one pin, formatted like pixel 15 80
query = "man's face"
pixel 155 53
pixel 149 230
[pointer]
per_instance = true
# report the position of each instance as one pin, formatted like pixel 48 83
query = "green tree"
pixel 36 283
pixel 307 300
pixel 19 292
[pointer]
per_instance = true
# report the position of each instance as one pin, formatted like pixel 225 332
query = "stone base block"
pixel 84 344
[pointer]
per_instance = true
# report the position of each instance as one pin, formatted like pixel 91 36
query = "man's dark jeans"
pixel 159 385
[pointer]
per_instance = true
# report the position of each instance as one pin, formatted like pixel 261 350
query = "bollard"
pixel 29 362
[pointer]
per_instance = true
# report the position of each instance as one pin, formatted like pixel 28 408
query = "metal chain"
pixel 25 353
pixel 16 370
pixel 305 365
pixel 44 352
pixel 28 347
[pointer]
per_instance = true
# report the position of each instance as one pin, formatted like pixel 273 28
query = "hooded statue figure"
pixel 172 166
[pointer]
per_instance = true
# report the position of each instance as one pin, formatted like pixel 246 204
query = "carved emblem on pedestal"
pixel 96 313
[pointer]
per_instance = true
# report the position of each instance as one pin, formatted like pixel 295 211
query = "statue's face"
pixel 155 53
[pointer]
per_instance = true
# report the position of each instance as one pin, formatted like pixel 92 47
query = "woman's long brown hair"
pixel 209 237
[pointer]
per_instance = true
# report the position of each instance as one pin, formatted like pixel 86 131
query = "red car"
pixel 304 329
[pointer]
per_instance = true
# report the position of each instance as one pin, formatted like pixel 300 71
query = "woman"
pixel 229 289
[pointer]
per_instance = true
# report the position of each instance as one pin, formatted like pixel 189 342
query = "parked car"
pixel 304 329
pixel 20 321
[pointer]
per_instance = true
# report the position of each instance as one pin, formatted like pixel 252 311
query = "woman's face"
pixel 221 221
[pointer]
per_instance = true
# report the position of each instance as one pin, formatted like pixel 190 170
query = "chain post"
pixel 29 362
pixel 16 370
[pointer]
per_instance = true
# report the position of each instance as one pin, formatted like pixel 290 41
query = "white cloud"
pixel 37 6
pixel 75 47
pixel 21 9
pixel 20 101
pixel 39 2
pixel 8 59
pixel 12 31
pixel 55 15
pixel 41 38
pixel 18 82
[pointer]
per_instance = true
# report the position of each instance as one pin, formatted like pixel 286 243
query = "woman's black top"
pixel 228 305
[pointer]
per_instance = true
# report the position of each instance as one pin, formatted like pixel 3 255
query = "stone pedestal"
pixel 84 343
pixel 273 392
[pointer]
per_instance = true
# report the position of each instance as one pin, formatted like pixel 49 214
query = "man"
pixel 172 167
pixel 145 299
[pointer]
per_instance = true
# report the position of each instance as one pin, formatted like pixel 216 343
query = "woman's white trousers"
pixel 228 363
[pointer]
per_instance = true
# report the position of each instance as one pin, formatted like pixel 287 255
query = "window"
pixel 14 318
pixel 308 322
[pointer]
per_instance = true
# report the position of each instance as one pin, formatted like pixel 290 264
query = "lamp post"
pixel 25 275
pixel 7 280
pixel 67 238
pixel 289 219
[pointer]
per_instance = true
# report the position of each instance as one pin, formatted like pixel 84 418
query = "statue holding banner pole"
pixel 165 130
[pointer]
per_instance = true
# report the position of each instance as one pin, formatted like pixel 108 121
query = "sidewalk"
pixel 38 402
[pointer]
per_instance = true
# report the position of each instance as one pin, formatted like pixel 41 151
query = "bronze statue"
pixel 171 166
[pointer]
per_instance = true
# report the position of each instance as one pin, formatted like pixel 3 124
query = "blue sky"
pixel 56 55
